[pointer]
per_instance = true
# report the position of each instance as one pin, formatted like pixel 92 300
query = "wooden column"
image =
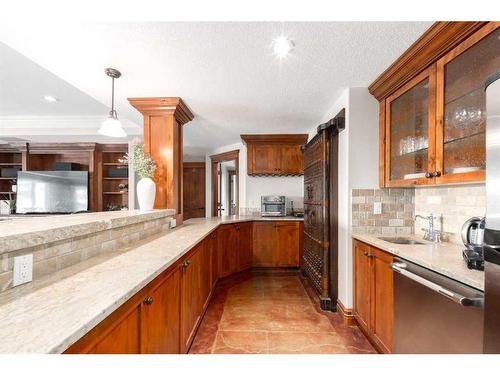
pixel 163 121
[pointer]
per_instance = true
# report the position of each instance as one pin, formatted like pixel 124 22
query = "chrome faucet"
pixel 431 234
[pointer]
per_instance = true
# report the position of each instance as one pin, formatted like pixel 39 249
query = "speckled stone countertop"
pixel 444 258
pixel 53 314
pixel 20 232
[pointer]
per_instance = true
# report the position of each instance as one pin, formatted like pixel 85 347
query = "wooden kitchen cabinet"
pixel 275 154
pixel 196 289
pixel 147 323
pixel 432 117
pixel 277 244
pixel 373 294
pixel 160 317
pixel 235 248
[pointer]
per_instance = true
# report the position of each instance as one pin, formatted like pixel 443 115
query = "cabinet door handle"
pixel 428 175
pixel 186 263
pixel 148 300
pixel 436 174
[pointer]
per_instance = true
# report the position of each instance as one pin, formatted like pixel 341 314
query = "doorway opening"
pixel 225 183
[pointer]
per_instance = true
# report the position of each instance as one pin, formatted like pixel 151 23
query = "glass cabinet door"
pixel 461 105
pixel 408 133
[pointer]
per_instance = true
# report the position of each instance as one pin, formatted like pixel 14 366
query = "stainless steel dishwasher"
pixel 433 313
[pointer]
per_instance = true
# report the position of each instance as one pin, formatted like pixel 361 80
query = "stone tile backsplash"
pixel 396 218
pixel 454 205
pixel 57 255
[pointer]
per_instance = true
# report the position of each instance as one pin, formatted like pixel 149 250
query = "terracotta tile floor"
pixel 272 314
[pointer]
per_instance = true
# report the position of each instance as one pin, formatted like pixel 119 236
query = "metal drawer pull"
pixel 186 263
pixel 148 300
pixel 455 297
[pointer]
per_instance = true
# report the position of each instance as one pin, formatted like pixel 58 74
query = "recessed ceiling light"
pixel 282 46
pixel 50 98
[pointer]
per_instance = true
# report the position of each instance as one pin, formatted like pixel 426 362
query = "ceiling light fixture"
pixel 50 98
pixel 282 46
pixel 112 127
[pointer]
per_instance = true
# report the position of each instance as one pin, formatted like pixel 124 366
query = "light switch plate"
pixel 377 208
pixel 173 223
pixel 23 269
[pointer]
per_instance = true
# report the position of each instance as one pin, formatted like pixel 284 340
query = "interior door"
pixel 160 317
pixel 193 190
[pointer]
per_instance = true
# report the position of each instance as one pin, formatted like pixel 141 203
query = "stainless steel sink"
pixel 401 240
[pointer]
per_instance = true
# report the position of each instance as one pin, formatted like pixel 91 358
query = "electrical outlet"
pixel 173 223
pixel 377 208
pixel 23 269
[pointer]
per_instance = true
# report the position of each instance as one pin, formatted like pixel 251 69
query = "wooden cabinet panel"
pixel 265 243
pixel 292 162
pixel 382 299
pixel 288 236
pixel 275 154
pixel 362 287
pixel 432 125
pixel 160 317
pixel 245 253
pixel 266 159
pixel 213 249
pixel 228 250
pixel 193 296
pixel 277 244
pixel 373 294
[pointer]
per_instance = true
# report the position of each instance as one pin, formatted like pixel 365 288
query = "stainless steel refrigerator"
pixel 492 231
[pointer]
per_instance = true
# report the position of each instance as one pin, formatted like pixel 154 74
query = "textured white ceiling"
pixel 225 72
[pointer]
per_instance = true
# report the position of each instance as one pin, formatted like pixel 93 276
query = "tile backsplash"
pixel 397 211
pixel 455 204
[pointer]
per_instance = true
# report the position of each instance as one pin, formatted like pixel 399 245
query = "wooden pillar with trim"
pixel 163 121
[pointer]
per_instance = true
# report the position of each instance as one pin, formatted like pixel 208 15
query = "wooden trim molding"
pixel 346 313
pixel 193 164
pixel 215 159
pixel 296 139
pixel 225 156
pixel 162 106
pixel 440 38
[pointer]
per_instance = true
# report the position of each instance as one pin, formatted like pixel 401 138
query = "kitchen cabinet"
pixel 160 317
pixel 373 294
pixel 432 123
pixel 147 323
pixel 235 248
pixel 275 155
pixel 196 289
pixel 277 244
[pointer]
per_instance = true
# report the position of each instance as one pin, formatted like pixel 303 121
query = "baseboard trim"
pixel 347 314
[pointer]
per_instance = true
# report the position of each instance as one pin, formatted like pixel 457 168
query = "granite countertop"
pixel 64 306
pixel 21 232
pixel 444 258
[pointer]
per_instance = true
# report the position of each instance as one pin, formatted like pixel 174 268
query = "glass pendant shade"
pixel 112 127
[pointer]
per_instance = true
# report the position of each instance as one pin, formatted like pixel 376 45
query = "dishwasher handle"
pixel 455 297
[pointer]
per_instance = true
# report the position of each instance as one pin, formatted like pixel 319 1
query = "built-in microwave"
pixel 273 205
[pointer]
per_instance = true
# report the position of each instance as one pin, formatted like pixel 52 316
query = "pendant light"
pixel 112 127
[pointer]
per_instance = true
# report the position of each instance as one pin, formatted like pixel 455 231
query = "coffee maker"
pixel 472 237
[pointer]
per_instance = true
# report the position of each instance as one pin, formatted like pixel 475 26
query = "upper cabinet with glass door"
pixel 461 104
pixel 433 126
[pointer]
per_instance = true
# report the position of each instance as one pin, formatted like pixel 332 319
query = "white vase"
pixel 146 191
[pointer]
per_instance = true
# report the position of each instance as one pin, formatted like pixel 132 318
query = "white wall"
pixel 358 168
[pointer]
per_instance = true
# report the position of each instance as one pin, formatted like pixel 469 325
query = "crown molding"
pixel 163 106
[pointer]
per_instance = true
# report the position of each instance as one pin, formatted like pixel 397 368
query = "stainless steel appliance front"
pixel 273 205
pixel 433 313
